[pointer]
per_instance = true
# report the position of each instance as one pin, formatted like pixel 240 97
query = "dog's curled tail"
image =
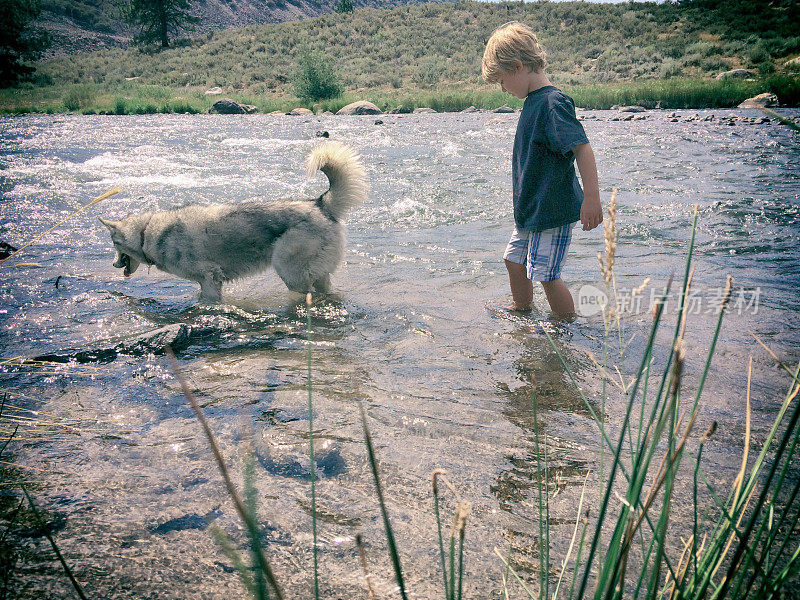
pixel 348 179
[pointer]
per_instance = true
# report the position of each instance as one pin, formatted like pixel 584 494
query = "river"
pixel 414 331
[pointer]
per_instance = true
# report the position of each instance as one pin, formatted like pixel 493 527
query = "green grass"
pixel 149 99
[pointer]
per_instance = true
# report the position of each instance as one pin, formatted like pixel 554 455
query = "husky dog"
pixel 303 239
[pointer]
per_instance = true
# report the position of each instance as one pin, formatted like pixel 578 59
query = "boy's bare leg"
pixel 558 296
pixel 521 286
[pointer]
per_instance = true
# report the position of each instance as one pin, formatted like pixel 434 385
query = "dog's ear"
pixel 112 225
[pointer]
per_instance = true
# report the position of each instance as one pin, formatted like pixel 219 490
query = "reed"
pixel 738 549
pixel 97 200
pixel 744 542
pixel 393 552
pixel 311 446
pixel 43 526
pixel 248 518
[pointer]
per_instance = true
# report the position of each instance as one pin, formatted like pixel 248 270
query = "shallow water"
pixel 412 331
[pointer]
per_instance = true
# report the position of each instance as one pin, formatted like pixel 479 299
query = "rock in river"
pixel 226 106
pixel 362 107
pixel 765 100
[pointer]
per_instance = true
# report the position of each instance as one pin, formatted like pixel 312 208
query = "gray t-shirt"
pixel 546 189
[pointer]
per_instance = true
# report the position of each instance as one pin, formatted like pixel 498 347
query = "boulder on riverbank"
pixel 296 112
pixel 765 100
pixel 632 109
pixel 362 107
pixel 735 74
pixel 424 110
pixel 227 106
pixel 504 109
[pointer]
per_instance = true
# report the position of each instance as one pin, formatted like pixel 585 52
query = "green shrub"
pixel 315 77
pixel 787 89
pixel 766 68
pixel 79 96
pixel 430 71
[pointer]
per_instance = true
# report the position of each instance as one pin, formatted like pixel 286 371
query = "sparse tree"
pixel 344 6
pixel 20 40
pixel 159 20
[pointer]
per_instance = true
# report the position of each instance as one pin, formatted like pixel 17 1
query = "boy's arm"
pixel 591 211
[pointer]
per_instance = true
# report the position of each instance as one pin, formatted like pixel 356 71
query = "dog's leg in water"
pixel 211 286
pixel 323 284
pixel 292 258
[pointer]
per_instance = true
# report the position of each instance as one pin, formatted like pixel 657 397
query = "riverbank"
pixel 136 98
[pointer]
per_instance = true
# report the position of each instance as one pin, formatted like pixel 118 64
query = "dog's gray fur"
pixel 303 239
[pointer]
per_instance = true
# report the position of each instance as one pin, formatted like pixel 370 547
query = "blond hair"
pixel 511 44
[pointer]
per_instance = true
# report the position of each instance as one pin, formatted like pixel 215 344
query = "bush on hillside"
pixel 315 77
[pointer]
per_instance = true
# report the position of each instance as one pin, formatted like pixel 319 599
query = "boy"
pixel 548 199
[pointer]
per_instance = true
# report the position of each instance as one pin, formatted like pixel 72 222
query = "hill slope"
pixel 426 46
pixel 88 25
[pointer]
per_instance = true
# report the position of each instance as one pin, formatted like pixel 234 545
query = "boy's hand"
pixel 591 212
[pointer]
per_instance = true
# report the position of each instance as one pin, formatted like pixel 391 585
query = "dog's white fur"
pixel 303 239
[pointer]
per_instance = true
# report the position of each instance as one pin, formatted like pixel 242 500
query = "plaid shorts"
pixel 542 251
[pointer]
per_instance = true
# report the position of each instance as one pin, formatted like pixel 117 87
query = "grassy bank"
pixel 137 98
pixel 430 55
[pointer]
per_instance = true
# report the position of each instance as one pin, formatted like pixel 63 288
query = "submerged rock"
pixel 178 337
pixel 190 521
pixel 632 109
pixel 6 250
pixel 329 463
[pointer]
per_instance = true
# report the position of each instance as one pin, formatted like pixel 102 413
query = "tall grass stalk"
pixel 363 558
pixel 97 200
pixel 394 555
pixel 510 569
pixel 543 498
pixel 247 517
pixel 435 485
pixel 747 543
pixel 461 526
pixel 573 538
pixel 311 445
pixel 43 526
